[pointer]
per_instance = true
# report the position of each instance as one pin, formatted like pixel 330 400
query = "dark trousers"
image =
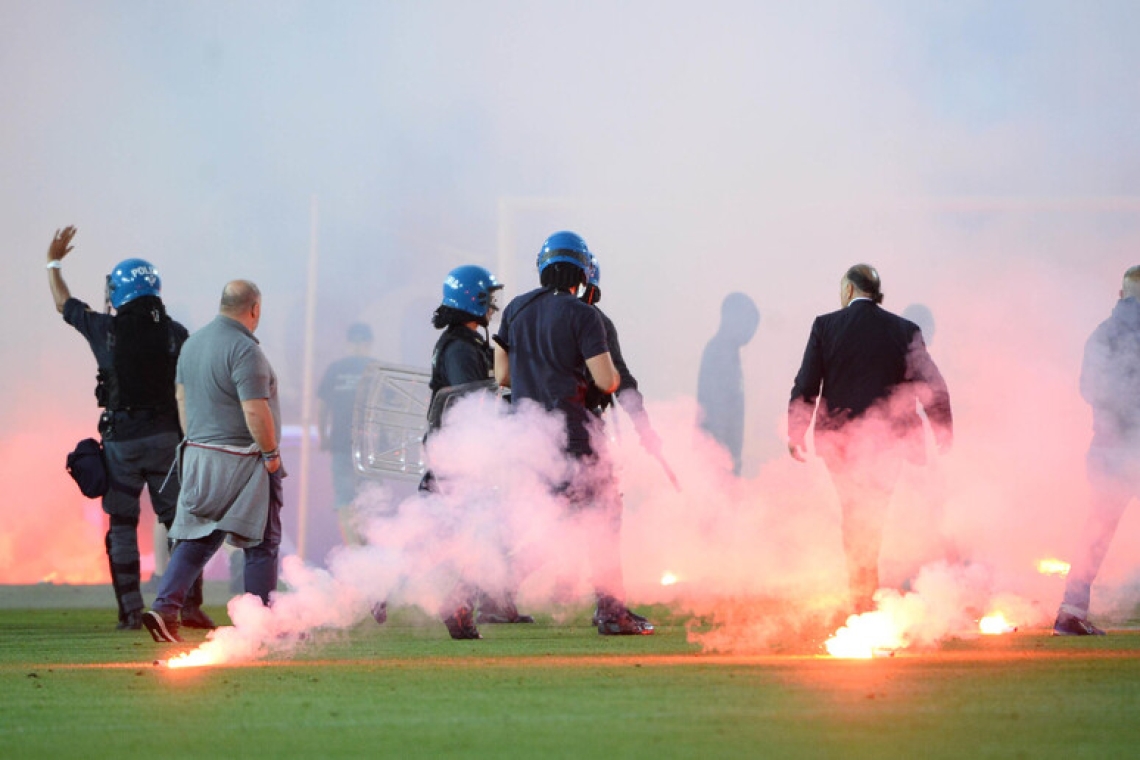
pixel 864 473
pixel 132 465
pixel 190 557
pixel 595 504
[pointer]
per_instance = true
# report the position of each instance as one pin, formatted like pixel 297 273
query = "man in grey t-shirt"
pixel 229 464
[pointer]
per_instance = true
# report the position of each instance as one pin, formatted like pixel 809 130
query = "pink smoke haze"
pixel 982 156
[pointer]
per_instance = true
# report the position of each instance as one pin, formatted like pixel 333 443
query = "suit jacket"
pixel 864 361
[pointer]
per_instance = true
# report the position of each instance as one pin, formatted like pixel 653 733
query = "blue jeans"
pixel 189 557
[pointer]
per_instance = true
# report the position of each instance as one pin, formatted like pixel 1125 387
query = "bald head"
pixel 860 281
pixel 241 300
pixel 1130 288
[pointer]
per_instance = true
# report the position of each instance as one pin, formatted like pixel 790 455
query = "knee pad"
pixel 122 540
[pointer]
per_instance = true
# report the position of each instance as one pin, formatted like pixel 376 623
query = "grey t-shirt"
pixel 222 365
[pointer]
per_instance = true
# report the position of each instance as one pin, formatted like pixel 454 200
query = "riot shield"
pixel 389 421
pixel 445 397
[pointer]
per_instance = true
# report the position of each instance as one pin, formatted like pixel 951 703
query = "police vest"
pixel 141 376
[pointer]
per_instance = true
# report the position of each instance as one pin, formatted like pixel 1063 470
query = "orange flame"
pixel 207 654
pixel 872 634
pixel 995 624
pixel 1053 567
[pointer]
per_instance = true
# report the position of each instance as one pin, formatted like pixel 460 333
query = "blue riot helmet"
pixel 470 289
pixel 593 292
pixel 131 279
pixel 564 246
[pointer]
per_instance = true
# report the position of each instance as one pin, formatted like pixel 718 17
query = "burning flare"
pixel 203 656
pixel 668 579
pixel 995 624
pixel 872 634
pixel 1053 567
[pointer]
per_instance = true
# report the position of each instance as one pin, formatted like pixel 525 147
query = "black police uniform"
pixel 631 398
pixel 548 335
pixel 461 356
pixel 140 431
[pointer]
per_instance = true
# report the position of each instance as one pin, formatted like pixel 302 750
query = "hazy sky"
pixel 984 155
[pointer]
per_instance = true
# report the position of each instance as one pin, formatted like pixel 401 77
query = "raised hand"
pixel 61 244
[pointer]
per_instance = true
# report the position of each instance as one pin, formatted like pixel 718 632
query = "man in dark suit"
pixel 869 367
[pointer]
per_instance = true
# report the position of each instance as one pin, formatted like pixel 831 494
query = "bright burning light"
pixel 668 579
pixel 872 634
pixel 995 624
pixel 207 654
pixel 1052 567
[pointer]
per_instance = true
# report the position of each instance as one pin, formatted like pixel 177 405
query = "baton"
pixel 668 470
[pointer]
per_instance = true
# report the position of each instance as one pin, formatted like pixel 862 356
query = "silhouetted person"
pixel 336 398
pixel 1110 383
pixel 931 483
pixel 922 316
pixel 866 368
pixel 720 383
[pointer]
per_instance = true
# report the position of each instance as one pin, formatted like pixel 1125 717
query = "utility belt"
pixel 135 423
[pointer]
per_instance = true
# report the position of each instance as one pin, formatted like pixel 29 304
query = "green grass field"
pixel 70 686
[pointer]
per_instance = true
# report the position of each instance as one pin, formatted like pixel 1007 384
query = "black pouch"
pixel 88 468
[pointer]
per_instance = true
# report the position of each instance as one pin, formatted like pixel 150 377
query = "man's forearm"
pixel 259 420
pixel 60 293
pixel 800 412
pixel 180 398
pixel 59 248
pixel 502 367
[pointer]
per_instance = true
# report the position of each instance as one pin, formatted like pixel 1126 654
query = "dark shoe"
pixel 380 613
pixel 623 622
pixel 461 625
pixel 132 621
pixel 1071 625
pixel 161 628
pixel 194 617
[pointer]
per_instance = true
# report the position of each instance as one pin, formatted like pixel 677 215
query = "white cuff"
pixel 55 264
